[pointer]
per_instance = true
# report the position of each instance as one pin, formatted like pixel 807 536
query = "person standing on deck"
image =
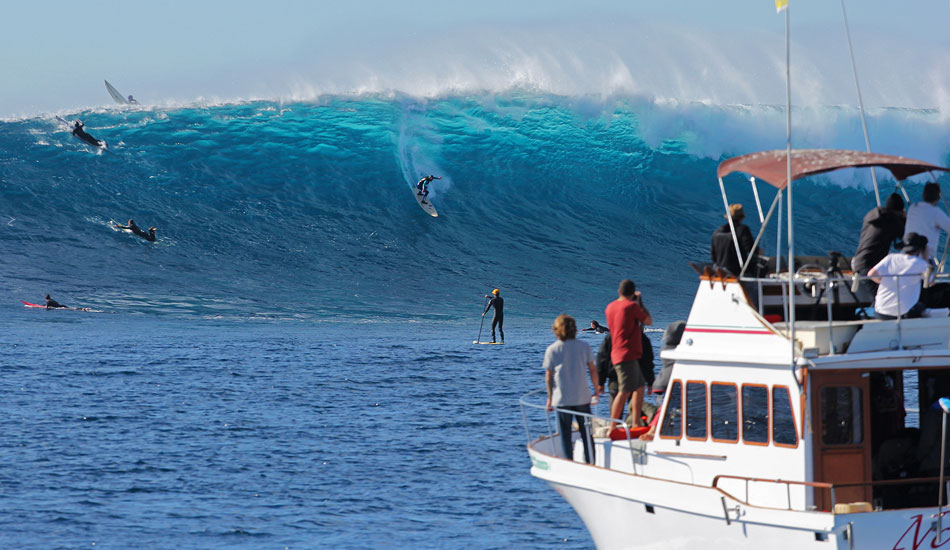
pixel 882 228
pixel 497 302
pixel 564 363
pixel 625 317
pixel 925 219
pixel 723 250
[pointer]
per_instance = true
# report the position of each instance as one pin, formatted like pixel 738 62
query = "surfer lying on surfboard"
pixel 53 304
pixel 423 186
pixel 79 132
pixel 150 236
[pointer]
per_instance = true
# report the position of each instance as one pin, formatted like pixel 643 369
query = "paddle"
pixel 480 325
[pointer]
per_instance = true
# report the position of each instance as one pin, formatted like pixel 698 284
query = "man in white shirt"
pixel 900 275
pixel 925 219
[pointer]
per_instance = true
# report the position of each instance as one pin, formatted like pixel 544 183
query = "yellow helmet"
pixel 495 292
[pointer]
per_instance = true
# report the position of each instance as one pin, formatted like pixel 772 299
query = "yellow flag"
pixel 780 5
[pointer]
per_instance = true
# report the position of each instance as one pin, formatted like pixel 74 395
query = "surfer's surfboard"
pixel 28 304
pixel 119 98
pixel 488 343
pixel 430 210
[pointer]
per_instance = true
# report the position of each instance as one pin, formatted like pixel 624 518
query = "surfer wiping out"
pixel 132 100
pixel 149 236
pixel 423 186
pixel 80 132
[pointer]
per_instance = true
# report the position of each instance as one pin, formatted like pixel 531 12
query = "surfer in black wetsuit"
pixel 53 304
pixel 132 100
pixel 423 187
pixel 496 301
pixel 78 131
pixel 596 327
pixel 150 236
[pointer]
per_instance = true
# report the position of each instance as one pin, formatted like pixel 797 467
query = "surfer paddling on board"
pixel 80 132
pixel 53 304
pixel 497 302
pixel 150 236
pixel 423 186
pixel 596 327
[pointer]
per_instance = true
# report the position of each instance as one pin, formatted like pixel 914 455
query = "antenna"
pixel 857 86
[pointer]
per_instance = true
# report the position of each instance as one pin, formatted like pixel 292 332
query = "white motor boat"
pixel 784 424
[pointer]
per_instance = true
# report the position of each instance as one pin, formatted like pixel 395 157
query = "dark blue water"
pixel 130 431
pixel 290 365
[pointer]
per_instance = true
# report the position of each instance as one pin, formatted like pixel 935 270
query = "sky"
pixel 55 54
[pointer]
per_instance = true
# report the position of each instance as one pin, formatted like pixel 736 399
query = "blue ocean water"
pixel 290 364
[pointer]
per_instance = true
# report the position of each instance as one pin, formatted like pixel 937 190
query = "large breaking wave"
pixel 304 209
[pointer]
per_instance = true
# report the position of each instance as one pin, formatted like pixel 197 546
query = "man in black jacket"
pixel 723 248
pixel 882 228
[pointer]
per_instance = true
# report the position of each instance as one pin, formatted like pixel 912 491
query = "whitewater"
pixel 289 365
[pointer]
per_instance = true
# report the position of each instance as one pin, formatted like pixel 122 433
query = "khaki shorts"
pixel 629 377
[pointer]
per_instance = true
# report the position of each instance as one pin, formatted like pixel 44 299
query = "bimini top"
pixel 770 165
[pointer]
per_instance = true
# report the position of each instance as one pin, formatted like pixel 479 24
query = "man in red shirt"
pixel 625 315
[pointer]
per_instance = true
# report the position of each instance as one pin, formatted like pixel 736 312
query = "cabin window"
pixel 841 415
pixel 695 410
pixel 724 399
pixel 755 414
pixel 672 421
pixel 783 419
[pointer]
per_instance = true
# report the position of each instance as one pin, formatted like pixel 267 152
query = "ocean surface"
pixel 291 364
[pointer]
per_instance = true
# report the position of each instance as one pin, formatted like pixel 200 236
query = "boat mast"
pixel 788 178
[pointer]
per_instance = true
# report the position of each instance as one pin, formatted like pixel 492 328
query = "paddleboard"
pixel 119 98
pixel 430 210
pixel 488 343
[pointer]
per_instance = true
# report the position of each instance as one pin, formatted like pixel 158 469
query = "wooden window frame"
pixel 768 408
pixel 686 409
pixel 791 410
pixel 738 410
pixel 666 410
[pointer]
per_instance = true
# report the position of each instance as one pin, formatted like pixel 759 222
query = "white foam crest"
pixel 637 59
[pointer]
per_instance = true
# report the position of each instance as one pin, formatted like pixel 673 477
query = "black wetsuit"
pixel 52 304
pixel 599 329
pixel 499 319
pixel 81 134
pixel 423 187
pixel 148 236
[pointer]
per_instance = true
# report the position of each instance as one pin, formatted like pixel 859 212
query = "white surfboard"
pixel 430 210
pixel 119 98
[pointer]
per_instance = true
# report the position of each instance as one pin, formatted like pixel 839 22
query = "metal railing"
pixel 812 279
pixel 831 487
pixel 588 419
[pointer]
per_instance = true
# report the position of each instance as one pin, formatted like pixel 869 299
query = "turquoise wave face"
pixel 305 209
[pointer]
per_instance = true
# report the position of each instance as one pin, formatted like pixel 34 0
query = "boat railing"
pixel 787 483
pixel 818 485
pixel 819 285
pixel 526 404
